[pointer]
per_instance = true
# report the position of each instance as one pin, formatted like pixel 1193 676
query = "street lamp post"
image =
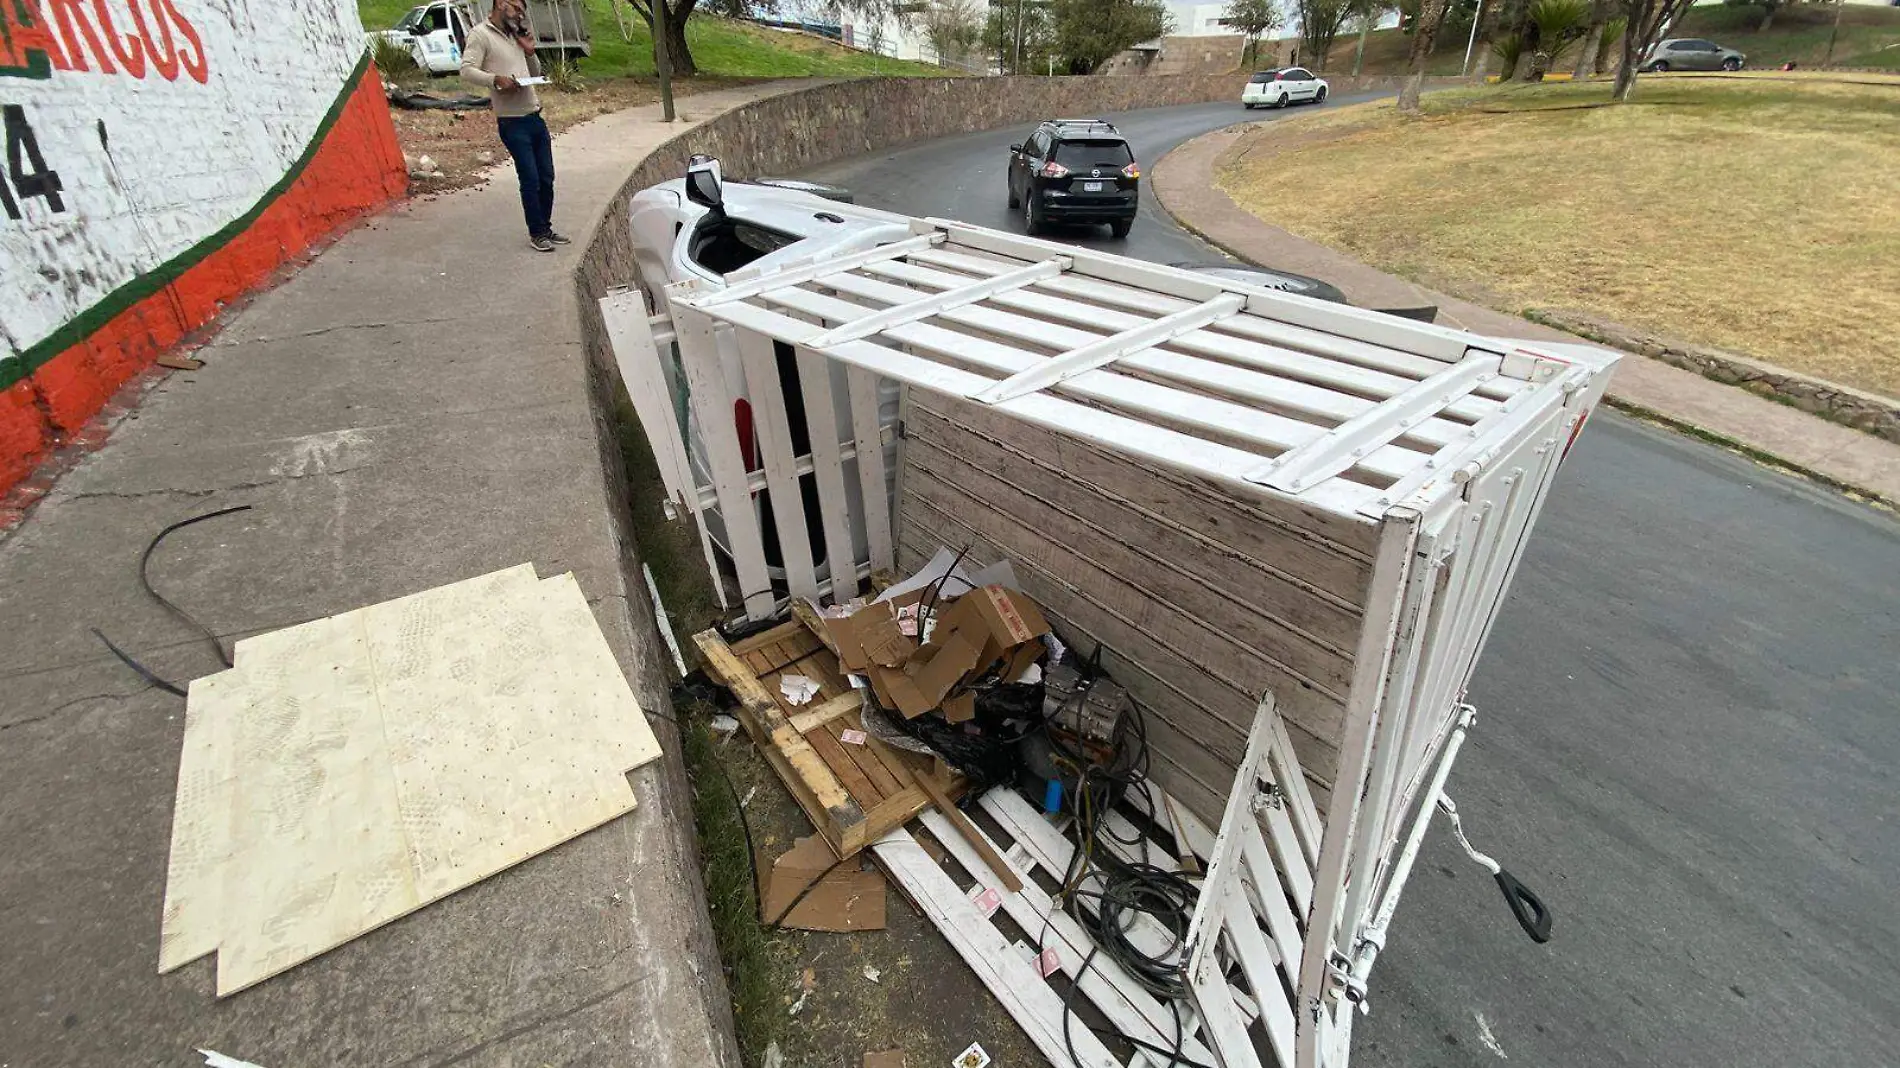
pixel 1472 41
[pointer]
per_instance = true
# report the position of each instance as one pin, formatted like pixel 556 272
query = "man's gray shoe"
pixel 541 243
pixel 557 238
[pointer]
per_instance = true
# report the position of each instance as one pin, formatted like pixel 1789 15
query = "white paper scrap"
pixel 797 689
pixel 218 1060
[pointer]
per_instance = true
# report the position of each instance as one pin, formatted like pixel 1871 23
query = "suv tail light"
pixel 1052 169
pixel 1133 170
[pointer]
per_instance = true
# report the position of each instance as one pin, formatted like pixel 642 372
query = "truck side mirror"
pixel 704 185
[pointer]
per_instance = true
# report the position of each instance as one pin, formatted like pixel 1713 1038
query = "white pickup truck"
pixel 1285 524
pixel 436 33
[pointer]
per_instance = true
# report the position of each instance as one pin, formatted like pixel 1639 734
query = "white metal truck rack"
pixel 1291 523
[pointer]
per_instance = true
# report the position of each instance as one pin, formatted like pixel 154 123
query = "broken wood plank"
pixel 969 832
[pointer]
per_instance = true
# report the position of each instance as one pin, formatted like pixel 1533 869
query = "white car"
pixel 1278 88
pixel 706 229
pixel 434 34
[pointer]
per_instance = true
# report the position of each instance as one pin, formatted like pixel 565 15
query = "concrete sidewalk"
pixel 410 409
pixel 1184 183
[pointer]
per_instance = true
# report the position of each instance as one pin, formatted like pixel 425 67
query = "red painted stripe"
pixel 356 170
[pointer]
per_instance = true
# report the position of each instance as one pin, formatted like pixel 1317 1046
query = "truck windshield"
pixel 412 19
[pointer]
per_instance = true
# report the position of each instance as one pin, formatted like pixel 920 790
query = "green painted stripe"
pixel 83 325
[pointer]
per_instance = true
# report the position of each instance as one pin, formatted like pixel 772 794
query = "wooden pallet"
pixel 854 794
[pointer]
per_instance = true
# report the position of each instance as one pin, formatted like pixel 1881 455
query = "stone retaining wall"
pixel 1875 414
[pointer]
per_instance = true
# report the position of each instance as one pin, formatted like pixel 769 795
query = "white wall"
pixel 181 121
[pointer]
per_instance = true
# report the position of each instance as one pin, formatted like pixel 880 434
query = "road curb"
pixel 1231 237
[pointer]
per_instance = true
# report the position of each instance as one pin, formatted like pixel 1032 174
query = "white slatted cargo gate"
pixel 1328 502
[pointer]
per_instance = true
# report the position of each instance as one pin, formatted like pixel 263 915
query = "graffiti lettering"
pixel 38 37
pixel 25 166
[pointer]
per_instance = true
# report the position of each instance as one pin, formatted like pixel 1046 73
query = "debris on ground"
pixel 214 1059
pixel 812 890
pixel 421 166
pixel 890 1058
pixel 409 100
pixel 974 1057
pixel 797 689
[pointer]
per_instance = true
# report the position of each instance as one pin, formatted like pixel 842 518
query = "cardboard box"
pixel 983 629
pixel 868 638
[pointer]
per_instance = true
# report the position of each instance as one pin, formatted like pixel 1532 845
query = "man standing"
pixel 499 54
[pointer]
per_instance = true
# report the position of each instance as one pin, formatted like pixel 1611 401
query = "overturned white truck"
pixel 1287 524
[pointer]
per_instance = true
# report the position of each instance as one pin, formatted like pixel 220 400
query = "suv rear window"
pixel 1263 76
pixel 1096 153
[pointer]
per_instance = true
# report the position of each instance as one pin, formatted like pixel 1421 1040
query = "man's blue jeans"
pixel 527 139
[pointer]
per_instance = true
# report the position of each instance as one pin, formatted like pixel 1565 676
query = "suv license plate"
pixel 1091 187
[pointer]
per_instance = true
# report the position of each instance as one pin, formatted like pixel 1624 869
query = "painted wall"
pixel 162 157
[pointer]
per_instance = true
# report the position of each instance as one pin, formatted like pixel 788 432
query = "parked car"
pixel 1075 170
pixel 1278 88
pixel 1691 53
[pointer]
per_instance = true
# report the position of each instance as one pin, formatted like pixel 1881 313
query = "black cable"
pixel 799 899
pixel 143 672
pixel 1118 890
pixel 145 578
pixel 936 590
pixel 751 851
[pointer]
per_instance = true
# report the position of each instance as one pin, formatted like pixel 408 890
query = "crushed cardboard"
pixel 990 627
pixel 844 899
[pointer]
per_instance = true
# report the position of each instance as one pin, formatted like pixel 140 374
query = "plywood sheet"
pixel 355 768
pixel 201 826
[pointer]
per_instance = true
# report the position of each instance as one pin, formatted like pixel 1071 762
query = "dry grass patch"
pixel 1757 214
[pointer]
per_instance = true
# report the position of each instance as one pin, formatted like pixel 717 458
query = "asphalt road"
pixel 1687 740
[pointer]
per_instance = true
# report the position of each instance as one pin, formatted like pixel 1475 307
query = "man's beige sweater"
pixel 489 53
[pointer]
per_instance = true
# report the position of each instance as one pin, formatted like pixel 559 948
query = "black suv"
pixel 1075 170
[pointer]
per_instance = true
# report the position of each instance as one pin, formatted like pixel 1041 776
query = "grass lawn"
pixel 723 48
pixel 1755 213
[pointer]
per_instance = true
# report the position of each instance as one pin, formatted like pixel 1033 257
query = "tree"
pixel 1649 20
pixel 1424 36
pixel 1368 12
pixel 1022 36
pixel 666 20
pixel 953 28
pixel 1253 18
pixel 1089 31
pixel 1320 23
pixel 1554 25
pixel 1768 9
pixel 1590 55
